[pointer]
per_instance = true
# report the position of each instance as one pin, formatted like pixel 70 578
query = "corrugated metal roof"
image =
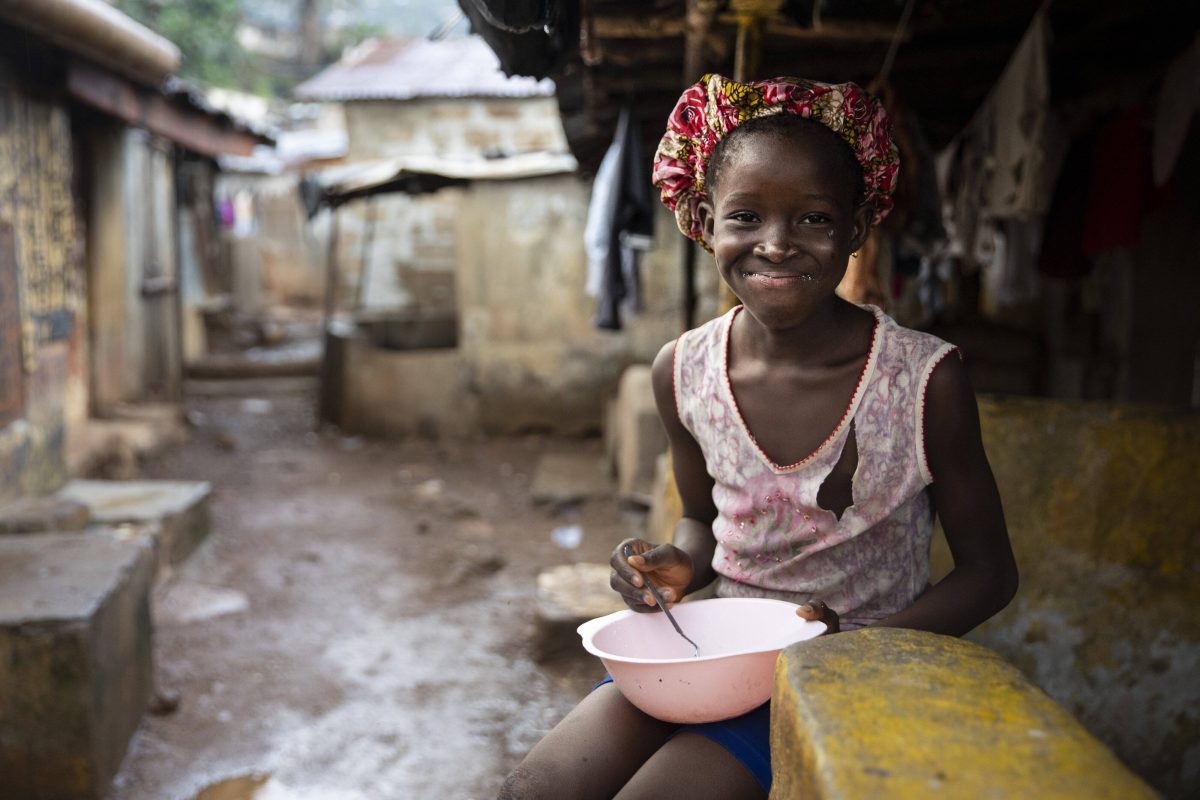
pixel 407 69
pixel 361 179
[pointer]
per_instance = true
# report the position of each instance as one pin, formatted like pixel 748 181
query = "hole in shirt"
pixel 837 490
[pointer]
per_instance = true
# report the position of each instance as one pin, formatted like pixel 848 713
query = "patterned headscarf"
pixel 716 105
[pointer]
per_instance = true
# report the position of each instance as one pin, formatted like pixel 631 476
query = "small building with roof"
pixel 446 98
pixel 455 227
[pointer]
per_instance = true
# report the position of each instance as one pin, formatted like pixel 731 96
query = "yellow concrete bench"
pixel 889 713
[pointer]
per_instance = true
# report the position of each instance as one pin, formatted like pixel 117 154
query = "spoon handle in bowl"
pixel 662 604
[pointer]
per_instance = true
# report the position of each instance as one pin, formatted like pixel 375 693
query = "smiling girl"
pixel 813 440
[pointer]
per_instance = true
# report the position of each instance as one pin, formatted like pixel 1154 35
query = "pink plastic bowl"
pixel 739 639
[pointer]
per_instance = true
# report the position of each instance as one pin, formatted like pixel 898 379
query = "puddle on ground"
pixel 243 787
pixel 192 602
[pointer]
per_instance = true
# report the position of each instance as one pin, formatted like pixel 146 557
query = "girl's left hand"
pixel 816 610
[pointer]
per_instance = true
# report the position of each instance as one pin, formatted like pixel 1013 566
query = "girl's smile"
pixel 780 280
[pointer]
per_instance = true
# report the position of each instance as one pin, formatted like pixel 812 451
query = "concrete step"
pixel 566 478
pixel 75 659
pixel 175 511
pixel 42 515
pixel 567 596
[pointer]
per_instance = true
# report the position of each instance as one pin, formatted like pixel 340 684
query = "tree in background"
pixel 206 33
pixel 261 46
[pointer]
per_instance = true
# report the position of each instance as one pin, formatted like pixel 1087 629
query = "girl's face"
pixel 782 222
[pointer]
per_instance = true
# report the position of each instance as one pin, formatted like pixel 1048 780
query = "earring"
pixel 854 254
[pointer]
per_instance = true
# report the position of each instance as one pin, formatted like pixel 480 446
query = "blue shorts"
pixel 747 738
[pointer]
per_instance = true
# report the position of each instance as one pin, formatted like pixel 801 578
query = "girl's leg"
pixel 694 767
pixel 591 753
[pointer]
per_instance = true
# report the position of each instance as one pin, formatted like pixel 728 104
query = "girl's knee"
pixel 523 783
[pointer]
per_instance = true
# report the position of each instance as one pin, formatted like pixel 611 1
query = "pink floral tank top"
pixel 773 539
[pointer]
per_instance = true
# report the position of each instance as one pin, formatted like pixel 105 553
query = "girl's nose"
pixel 774 249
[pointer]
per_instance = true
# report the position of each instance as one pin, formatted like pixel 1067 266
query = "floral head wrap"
pixel 716 105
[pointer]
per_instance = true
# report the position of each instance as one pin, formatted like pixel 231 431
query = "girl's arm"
pixel 984 578
pixel 685 565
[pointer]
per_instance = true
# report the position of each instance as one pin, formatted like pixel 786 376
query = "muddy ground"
pixel 359 624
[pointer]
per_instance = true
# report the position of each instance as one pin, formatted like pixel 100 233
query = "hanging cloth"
pixel 620 226
pixel 1004 164
pixel 1120 189
pixel 1178 102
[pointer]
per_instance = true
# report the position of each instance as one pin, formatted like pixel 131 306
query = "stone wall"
pixel 527 334
pixel 453 126
pixel 529 356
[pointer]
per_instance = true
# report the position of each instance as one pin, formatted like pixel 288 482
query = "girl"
pixel 806 432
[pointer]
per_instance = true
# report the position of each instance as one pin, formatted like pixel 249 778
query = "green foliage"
pixel 206 33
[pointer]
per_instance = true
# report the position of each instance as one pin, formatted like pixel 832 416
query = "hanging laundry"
pixel 1120 187
pixel 1011 279
pixel 1061 255
pixel 1178 102
pixel 1005 163
pixel 244 223
pixel 1028 145
pixel 620 226
pixel 918 202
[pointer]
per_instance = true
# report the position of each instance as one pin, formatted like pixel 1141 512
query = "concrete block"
pixel 385 392
pixel 43 514
pixel 75 659
pixel 1103 514
pixel 567 596
pixel 564 478
pixel 885 712
pixel 180 509
pixel 638 438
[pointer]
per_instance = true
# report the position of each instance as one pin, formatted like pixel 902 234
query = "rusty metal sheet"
pixel 190 128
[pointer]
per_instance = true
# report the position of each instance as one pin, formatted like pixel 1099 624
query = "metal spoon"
pixel 661 604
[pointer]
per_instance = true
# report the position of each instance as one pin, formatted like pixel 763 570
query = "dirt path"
pixel 359 624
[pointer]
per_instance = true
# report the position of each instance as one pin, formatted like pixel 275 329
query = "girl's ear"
pixel 863 214
pixel 708 218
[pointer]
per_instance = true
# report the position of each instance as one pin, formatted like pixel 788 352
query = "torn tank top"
pixel 773 538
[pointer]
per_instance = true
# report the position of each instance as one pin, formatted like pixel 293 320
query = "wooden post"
pixel 698 21
pixel 748 55
pixel 697 24
pixel 331 267
pixel 364 269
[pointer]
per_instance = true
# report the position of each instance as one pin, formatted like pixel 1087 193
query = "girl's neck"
pixel 829 336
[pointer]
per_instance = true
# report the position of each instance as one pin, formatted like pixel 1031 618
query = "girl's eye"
pixel 743 216
pixel 816 219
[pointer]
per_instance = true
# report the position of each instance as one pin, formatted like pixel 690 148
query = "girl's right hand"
pixel 634 561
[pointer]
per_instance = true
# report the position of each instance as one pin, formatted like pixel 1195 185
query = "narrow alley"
pixel 359 623
pixel 334 336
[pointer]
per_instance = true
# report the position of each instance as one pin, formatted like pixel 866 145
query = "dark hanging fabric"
pixel 1121 184
pixel 623 218
pixel 1062 254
